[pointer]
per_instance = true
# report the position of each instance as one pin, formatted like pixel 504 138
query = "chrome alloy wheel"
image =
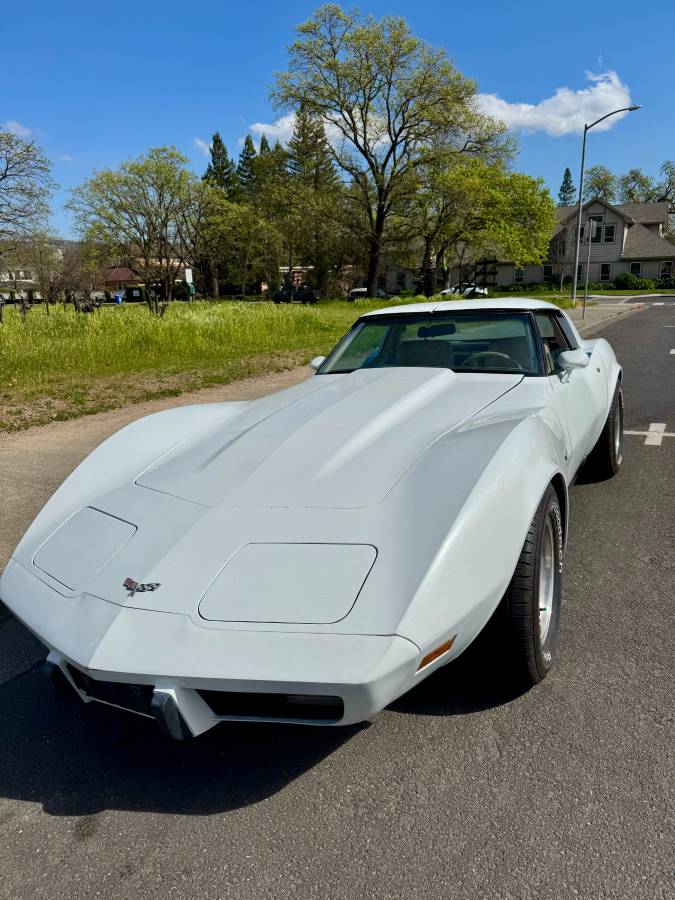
pixel 547 563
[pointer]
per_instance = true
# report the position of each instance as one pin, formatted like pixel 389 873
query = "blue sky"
pixel 95 83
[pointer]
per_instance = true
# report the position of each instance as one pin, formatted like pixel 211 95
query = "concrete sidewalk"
pixel 598 317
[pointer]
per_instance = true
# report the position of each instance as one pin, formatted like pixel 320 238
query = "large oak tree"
pixel 389 102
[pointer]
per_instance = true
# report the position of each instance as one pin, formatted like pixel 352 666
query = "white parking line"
pixel 654 435
pixel 672 352
pixel 658 304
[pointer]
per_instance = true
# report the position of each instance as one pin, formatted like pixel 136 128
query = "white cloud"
pixel 567 111
pixel 66 158
pixel 281 130
pixel 17 128
pixel 203 146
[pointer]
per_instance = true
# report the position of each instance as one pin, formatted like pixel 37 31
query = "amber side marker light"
pixel 439 651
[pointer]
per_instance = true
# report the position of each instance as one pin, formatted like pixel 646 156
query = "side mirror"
pixel 573 359
pixel 317 362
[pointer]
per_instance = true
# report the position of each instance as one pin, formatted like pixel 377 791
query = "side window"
pixel 566 329
pixel 553 340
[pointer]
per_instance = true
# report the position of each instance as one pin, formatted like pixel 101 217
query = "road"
pixel 649 299
pixel 457 790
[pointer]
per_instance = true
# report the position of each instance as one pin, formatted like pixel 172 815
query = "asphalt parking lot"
pixel 457 790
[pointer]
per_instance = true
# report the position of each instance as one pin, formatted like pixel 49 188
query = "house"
pixel 628 238
pixel 18 283
pixel 116 279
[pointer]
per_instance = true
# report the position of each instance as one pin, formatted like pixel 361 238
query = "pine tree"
pixel 246 174
pixel 264 147
pixel 567 193
pixel 309 156
pixel 316 198
pixel 221 170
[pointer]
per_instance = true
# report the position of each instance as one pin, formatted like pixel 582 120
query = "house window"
pixel 597 237
pixel 519 276
pixel 400 280
pixel 606 272
pixel 580 271
pixel 547 273
pixel 666 268
pixel 636 269
pixel 608 234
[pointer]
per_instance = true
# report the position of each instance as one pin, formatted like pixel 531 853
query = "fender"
pixel 121 458
pixel 474 565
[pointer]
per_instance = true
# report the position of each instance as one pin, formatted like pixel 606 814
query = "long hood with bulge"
pixel 341 444
pixel 276 513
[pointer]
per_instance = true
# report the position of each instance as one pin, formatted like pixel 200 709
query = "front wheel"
pixel 530 613
pixel 605 459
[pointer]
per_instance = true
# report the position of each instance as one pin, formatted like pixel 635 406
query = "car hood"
pixel 337 441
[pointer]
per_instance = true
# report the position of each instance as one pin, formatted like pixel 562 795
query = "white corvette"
pixel 310 556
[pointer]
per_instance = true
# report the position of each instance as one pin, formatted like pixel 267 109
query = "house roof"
pixel 644 213
pixel 641 243
pixel 120 273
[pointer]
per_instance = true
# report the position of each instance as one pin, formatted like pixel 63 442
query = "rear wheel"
pixel 606 457
pixel 530 610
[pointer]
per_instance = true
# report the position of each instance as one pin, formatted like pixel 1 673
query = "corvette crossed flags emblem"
pixel 135 588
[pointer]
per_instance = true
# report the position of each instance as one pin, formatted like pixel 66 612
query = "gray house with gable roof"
pixel 629 238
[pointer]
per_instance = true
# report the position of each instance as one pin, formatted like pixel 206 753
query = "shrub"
pixel 626 281
pixel 667 282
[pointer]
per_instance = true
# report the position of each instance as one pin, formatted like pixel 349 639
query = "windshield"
pixel 465 342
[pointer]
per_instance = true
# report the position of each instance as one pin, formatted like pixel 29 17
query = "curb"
pixel 591 329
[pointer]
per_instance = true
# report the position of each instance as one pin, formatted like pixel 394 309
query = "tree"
pixel 221 171
pixel 567 193
pixel 82 268
pixel 483 209
pixel 241 239
pixel 310 161
pixel 390 103
pixel 311 228
pixel 601 183
pixel 42 255
pixel 246 168
pixel 141 212
pixel 25 187
pixel 637 187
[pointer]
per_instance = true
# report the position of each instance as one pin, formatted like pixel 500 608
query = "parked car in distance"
pixel 302 293
pixel 465 289
pixel 360 293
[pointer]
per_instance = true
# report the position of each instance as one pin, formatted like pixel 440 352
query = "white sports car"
pixel 310 556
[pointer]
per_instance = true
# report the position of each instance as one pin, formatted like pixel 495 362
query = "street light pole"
pixel 577 243
pixel 592 229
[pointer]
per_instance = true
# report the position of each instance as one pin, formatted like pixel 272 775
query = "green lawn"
pixel 64 365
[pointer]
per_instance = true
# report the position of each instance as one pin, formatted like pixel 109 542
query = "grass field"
pixel 64 365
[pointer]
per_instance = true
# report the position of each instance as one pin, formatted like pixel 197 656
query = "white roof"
pixel 450 306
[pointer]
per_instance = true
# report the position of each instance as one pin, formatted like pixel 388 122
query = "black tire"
pixel 605 459
pixel 529 638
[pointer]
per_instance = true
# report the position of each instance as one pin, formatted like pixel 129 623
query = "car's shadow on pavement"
pixel 470 684
pixel 79 759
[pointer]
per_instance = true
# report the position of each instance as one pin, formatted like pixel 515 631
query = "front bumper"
pixel 202 675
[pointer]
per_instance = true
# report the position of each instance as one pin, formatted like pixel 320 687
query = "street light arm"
pixel 602 118
pixel 580 202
